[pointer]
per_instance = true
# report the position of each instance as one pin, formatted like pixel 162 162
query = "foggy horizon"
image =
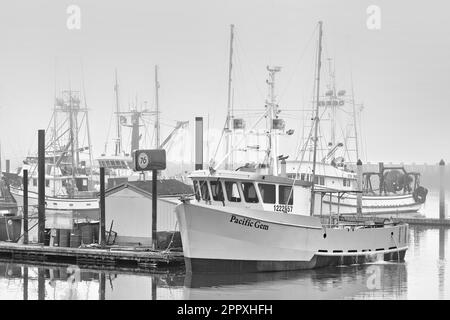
pixel 400 72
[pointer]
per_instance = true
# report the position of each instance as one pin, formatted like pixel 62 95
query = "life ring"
pixel 420 194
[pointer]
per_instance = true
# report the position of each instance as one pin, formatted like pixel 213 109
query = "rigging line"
pixel 344 137
pixel 252 73
pixel 240 74
pixel 293 73
pixel 220 140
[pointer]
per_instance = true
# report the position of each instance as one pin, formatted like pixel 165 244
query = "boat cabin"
pixel 252 191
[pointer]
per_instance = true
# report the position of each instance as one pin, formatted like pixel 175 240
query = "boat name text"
pixel 249 223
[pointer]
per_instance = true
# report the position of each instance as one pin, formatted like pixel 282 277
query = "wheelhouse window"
pixel 321 180
pixel 216 190
pixel 197 190
pixel 249 191
pixel 285 196
pixel 346 182
pixel 267 192
pixel 232 189
pixel 204 190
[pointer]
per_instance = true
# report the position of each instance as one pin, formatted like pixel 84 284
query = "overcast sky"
pixel 401 72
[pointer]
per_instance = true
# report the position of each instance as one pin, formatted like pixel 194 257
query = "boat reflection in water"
pixel 32 282
pixel 325 283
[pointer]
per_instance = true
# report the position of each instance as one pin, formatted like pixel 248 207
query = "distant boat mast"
pixel 316 117
pixel 118 148
pixel 229 124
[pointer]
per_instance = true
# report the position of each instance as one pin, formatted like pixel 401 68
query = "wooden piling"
pixel 359 172
pixel 442 189
pixel 25 206
pixel 25 283
pixel 41 186
pixel 154 208
pixel 102 282
pixel 102 208
pixel 41 284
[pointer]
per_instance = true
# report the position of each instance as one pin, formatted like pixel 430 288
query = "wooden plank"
pixel 89 256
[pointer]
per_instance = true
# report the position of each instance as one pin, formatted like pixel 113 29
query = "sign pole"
pixel 154 208
pixel 25 206
pixel 151 160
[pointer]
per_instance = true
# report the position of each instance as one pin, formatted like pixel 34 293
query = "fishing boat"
pixel 255 219
pixel 69 187
pixel 119 164
pixel 391 189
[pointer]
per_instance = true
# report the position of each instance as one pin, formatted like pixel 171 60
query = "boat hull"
pixel 226 239
pixel 389 204
pixel 55 203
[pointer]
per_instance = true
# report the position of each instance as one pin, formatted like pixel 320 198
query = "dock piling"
pixel 442 213
pixel 41 186
pixel 102 208
pixel 25 206
pixel 198 143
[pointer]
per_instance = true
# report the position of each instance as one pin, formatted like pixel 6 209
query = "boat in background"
pixel 119 164
pixel 10 220
pixel 399 191
pixel 69 187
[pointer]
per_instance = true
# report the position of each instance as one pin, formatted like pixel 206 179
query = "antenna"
pixel 271 115
pixel 316 117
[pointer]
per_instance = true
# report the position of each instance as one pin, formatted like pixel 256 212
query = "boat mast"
pixel 354 119
pixel 229 129
pixel 157 116
pixel 118 149
pixel 272 113
pixel 316 117
pixel 72 139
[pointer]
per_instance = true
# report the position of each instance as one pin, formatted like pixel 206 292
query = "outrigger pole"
pixel 316 118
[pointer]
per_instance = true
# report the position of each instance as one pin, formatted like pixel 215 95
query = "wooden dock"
pixel 110 258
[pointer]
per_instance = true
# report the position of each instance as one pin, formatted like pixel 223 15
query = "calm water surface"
pixel 424 275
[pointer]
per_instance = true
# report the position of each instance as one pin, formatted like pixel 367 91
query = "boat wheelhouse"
pixel 251 190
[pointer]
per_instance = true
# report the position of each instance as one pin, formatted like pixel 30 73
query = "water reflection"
pixel 424 275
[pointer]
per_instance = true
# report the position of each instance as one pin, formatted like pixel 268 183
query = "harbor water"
pixel 425 274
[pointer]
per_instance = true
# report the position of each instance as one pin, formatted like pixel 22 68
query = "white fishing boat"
pixel 398 191
pixel 390 190
pixel 69 187
pixel 256 219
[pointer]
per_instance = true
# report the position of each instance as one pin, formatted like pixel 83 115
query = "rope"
pixel 171 240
